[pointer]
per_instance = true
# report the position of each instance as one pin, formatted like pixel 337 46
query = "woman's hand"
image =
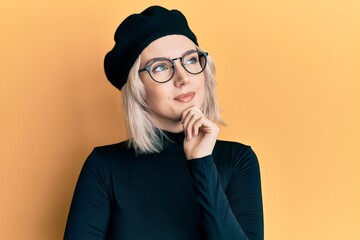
pixel 200 133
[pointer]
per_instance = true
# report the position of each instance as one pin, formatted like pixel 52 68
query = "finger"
pixel 198 123
pixel 190 110
pixel 206 127
pixel 190 130
pixel 189 115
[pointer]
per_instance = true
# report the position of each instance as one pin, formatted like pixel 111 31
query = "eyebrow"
pixel 151 60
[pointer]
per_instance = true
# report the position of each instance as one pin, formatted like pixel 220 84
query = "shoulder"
pixel 103 160
pixel 234 153
pixel 233 148
pixel 108 154
pixel 113 149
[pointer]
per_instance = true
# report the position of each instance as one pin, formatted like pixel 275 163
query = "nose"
pixel 181 76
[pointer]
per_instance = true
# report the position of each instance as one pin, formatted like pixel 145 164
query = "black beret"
pixel 135 33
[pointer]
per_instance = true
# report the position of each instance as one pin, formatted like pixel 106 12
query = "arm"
pixel 236 214
pixel 90 208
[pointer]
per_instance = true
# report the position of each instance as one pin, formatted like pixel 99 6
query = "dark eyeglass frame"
pixel 147 68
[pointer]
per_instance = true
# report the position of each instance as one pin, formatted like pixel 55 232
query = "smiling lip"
pixel 187 97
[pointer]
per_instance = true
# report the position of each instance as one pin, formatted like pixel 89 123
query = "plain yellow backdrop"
pixel 288 85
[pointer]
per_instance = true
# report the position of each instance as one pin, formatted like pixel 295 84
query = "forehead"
pixel 170 46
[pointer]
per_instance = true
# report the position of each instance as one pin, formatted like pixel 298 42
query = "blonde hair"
pixel 144 137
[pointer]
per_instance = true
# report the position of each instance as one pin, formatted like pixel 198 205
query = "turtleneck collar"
pixel 175 138
pixel 173 141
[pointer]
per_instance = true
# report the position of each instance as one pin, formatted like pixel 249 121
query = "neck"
pixel 170 126
pixel 175 128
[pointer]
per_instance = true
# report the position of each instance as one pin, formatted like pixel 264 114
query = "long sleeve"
pixel 235 212
pixel 90 208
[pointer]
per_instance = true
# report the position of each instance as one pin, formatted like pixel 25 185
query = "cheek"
pixel 155 96
pixel 150 98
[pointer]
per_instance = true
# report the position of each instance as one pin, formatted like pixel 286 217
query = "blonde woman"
pixel 172 179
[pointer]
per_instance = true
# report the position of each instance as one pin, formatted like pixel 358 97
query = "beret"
pixel 135 33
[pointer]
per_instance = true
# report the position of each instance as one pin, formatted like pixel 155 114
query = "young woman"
pixel 172 179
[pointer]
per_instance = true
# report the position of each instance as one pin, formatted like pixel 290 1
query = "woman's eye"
pixel 192 60
pixel 160 67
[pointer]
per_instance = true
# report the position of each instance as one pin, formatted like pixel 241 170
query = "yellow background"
pixel 288 85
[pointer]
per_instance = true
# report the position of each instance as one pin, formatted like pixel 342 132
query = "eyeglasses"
pixel 161 70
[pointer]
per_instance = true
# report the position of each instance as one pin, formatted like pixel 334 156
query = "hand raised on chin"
pixel 200 133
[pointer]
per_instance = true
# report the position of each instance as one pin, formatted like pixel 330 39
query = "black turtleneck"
pixel 164 196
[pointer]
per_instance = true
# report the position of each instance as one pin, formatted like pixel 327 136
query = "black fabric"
pixel 163 196
pixel 135 33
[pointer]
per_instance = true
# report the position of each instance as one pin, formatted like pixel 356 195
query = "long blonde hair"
pixel 144 137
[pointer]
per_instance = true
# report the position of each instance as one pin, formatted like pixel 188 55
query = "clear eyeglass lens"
pixel 162 70
pixel 194 62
